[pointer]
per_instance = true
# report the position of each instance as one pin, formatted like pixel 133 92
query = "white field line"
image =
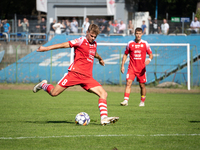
pixel 109 135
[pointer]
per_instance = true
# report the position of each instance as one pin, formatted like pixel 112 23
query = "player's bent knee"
pixel 103 94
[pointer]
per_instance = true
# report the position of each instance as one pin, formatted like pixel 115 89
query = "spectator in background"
pixel 110 28
pixel 52 31
pixel 74 26
pixel 122 27
pixel 150 25
pixel 104 28
pixel 85 25
pixel 58 27
pixel 24 24
pixel 130 30
pixel 165 27
pixel 6 26
pixel 116 26
pixel 156 27
pixel 195 25
pixel 43 25
pixel 144 27
pixel 67 26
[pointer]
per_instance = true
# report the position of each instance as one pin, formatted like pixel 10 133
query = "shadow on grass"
pixel 94 122
pixel 194 121
pixel 46 122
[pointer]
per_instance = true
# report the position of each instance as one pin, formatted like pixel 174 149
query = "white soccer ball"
pixel 82 118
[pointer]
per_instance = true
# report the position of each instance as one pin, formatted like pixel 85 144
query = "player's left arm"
pixel 99 58
pixel 149 53
pixel 149 59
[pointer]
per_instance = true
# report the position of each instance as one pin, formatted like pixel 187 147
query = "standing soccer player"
pixel 80 71
pixel 137 50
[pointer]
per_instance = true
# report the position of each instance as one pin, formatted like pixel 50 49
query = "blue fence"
pixel 52 65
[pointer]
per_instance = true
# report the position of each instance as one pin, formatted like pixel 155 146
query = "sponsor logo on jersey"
pixel 137 51
pixel 137 46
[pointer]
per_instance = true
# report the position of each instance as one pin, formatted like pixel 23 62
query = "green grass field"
pixel 38 121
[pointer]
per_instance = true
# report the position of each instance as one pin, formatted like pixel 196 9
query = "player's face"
pixel 138 35
pixel 91 36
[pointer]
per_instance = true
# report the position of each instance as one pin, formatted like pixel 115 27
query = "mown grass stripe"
pixel 71 136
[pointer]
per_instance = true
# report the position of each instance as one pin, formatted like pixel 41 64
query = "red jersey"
pixel 137 52
pixel 84 53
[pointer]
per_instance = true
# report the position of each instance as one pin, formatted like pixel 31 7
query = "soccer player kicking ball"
pixel 80 71
pixel 137 50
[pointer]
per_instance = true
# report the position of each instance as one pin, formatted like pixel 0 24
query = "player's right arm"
pixel 125 57
pixel 123 62
pixel 52 47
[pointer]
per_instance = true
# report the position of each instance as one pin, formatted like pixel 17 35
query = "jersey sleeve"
pixel 127 49
pixel 76 42
pixel 148 48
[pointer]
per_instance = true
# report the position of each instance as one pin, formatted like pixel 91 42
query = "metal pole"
pixel 15 23
pixel 182 26
pixel 193 14
pixel 51 69
pixel 156 13
pixel 188 66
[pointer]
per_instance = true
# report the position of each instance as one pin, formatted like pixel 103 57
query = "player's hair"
pixel 138 30
pixel 94 29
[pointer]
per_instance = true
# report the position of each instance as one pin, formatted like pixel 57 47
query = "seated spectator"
pixel 116 26
pixel 165 27
pixel 130 28
pixel 144 27
pixel 195 25
pixel 104 28
pixel 85 25
pixel 52 31
pixel 24 24
pixel 74 26
pixel 58 27
pixel 121 27
pixel 110 28
pixel 6 26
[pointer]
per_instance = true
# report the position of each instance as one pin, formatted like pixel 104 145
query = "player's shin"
pixel 126 96
pixel 103 108
pixel 143 98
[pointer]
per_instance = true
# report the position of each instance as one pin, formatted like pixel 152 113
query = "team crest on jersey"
pixel 141 45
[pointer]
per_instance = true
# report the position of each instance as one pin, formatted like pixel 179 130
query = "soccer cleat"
pixel 108 120
pixel 38 86
pixel 141 104
pixel 124 103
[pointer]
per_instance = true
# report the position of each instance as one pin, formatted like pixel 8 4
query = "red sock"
pixel 47 87
pixel 126 96
pixel 143 98
pixel 103 108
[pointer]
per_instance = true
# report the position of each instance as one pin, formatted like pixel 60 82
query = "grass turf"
pixel 38 121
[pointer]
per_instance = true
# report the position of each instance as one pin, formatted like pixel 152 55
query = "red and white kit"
pixel 80 71
pixel 137 52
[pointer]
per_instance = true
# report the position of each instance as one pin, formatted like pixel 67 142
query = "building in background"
pixel 93 9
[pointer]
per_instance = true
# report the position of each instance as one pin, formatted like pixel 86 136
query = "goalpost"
pixel 171 50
